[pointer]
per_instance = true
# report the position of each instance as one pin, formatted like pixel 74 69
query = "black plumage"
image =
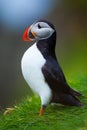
pixel 61 91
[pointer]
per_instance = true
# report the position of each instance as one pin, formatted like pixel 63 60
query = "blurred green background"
pixel 70 20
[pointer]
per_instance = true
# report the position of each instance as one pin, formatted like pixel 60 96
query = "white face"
pixel 42 30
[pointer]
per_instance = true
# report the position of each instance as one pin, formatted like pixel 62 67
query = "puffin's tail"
pixel 75 101
pixel 75 93
pixel 66 99
pixel 73 97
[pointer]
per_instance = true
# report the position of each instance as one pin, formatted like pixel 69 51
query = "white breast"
pixel 31 64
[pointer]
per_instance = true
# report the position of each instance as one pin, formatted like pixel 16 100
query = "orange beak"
pixel 25 36
pixel 28 36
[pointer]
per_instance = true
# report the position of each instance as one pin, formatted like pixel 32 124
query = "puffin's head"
pixel 39 30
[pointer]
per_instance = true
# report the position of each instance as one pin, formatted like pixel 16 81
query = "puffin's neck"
pixel 47 46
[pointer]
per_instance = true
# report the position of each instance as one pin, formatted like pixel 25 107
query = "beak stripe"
pixel 34 33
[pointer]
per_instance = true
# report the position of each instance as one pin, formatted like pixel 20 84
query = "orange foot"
pixel 41 112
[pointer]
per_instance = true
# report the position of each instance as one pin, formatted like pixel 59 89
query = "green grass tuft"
pixel 58 117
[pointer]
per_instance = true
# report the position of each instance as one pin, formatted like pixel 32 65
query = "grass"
pixel 58 117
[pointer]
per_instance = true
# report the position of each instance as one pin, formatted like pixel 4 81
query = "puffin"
pixel 41 70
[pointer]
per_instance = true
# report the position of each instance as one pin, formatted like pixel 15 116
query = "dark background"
pixel 70 20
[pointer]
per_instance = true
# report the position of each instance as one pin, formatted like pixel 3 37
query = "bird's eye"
pixel 39 26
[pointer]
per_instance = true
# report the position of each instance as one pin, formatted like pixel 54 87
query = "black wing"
pixel 62 93
pixel 56 79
